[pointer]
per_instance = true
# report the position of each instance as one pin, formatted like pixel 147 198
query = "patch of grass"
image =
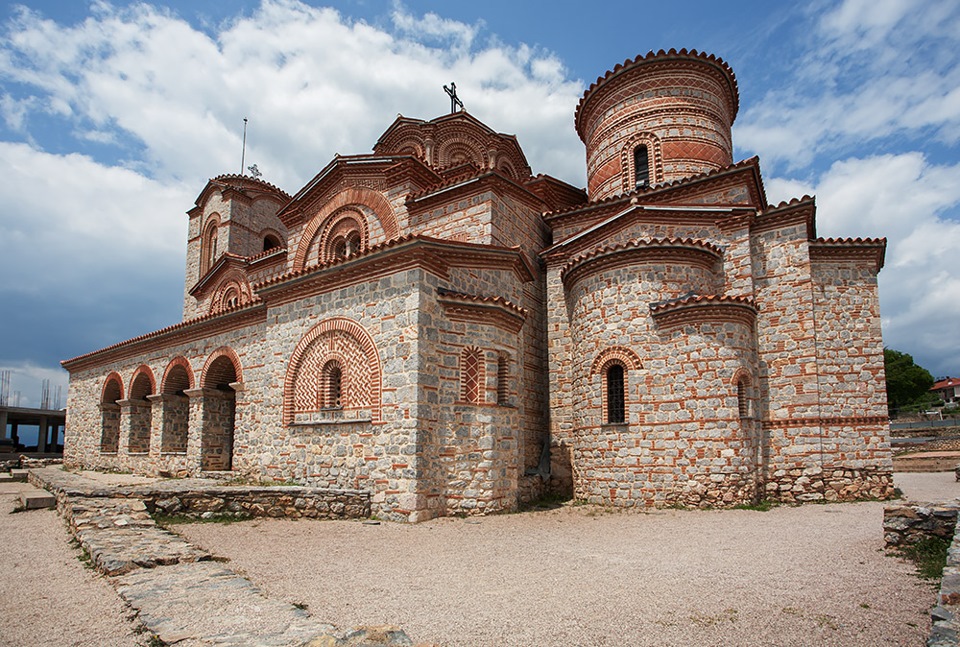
pixel 864 605
pixel 156 641
pixel 930 556
pixel 702 620
pixel 764 505
pixel 18 508
pixel 825 621
pixel 300 605
pixel 82 556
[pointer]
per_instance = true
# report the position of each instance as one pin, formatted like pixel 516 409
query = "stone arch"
pixel 622 354
pixel 222 368
pixel 209 242
pixel 142 383
pixel 173 381
pixel 175 416
pixel 373 200
pixel 139 411
pixel 112 388
pixel 110 395
pixel 220 373
pixel 348 342
pixel 655 160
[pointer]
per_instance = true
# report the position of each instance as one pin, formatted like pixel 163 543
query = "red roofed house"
pixel 948 389
pixel 435 325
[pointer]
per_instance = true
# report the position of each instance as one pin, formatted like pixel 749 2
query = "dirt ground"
pixel 47 595
pixel 578 575
pixel 575 575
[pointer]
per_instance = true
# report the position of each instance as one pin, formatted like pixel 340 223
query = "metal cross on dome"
pixel 454 99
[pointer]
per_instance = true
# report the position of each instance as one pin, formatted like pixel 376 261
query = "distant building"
pixel 435 324
pixel 948 389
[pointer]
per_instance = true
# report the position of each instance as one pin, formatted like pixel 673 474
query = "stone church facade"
pixel 436 325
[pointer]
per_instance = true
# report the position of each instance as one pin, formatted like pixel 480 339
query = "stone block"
pixel 37 500
pixel 19 475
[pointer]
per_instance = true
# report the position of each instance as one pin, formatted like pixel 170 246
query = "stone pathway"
pixel 181 596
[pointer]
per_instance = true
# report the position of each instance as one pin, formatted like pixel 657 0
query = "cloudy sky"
pixel 113 115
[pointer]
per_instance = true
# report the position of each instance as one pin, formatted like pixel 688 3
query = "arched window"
pixel 615 390
pixel 641 166
pixel 331 385
pixel 471 375
pixel 270 242
pixel 209 245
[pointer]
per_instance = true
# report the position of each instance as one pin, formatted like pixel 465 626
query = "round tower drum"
pixel 658 118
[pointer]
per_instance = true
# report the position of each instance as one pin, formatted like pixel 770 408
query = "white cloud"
pixel 874 70
pixel 312 84
pixel 68 217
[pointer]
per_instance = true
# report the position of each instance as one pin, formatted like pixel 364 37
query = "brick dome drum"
pixel 680 106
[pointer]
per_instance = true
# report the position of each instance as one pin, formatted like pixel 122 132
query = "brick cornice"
pixel 858 250
pixel 705 309
pixel 435 255
pixel 181 333
pixel 798 211
pixel 853 421
pixel 675 251
pixel 495 311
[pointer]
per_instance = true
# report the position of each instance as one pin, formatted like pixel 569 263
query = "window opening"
pixel 615 395
pixel 641 166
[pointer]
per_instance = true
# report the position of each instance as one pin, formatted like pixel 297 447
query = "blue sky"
pixel 114 115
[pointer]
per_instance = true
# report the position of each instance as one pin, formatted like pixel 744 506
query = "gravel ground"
pixel 813 575
pixel 927 486
pixel 578 575
pixel 47 596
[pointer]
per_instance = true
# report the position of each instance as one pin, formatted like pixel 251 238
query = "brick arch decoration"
pixel 620 354
pixel 112 377
pixel 142 371
pixel 467 148
pixel 373 200
pixel 505 167
pixel 236 281
pixel 335 338
pixel 166 386
pixel 472 375
pixel 341 223
pixel 411 146
pixel 206 376
pixel 654 150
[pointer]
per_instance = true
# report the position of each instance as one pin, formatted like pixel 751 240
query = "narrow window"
pixel 641 166
pixel 503 388
pixel 340 249
pixel 743 401
pixel 615 395
pixel 332 386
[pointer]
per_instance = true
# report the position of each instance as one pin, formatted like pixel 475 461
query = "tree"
pixel 907 383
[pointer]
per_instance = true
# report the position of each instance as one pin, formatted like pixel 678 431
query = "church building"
pixel 434 324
